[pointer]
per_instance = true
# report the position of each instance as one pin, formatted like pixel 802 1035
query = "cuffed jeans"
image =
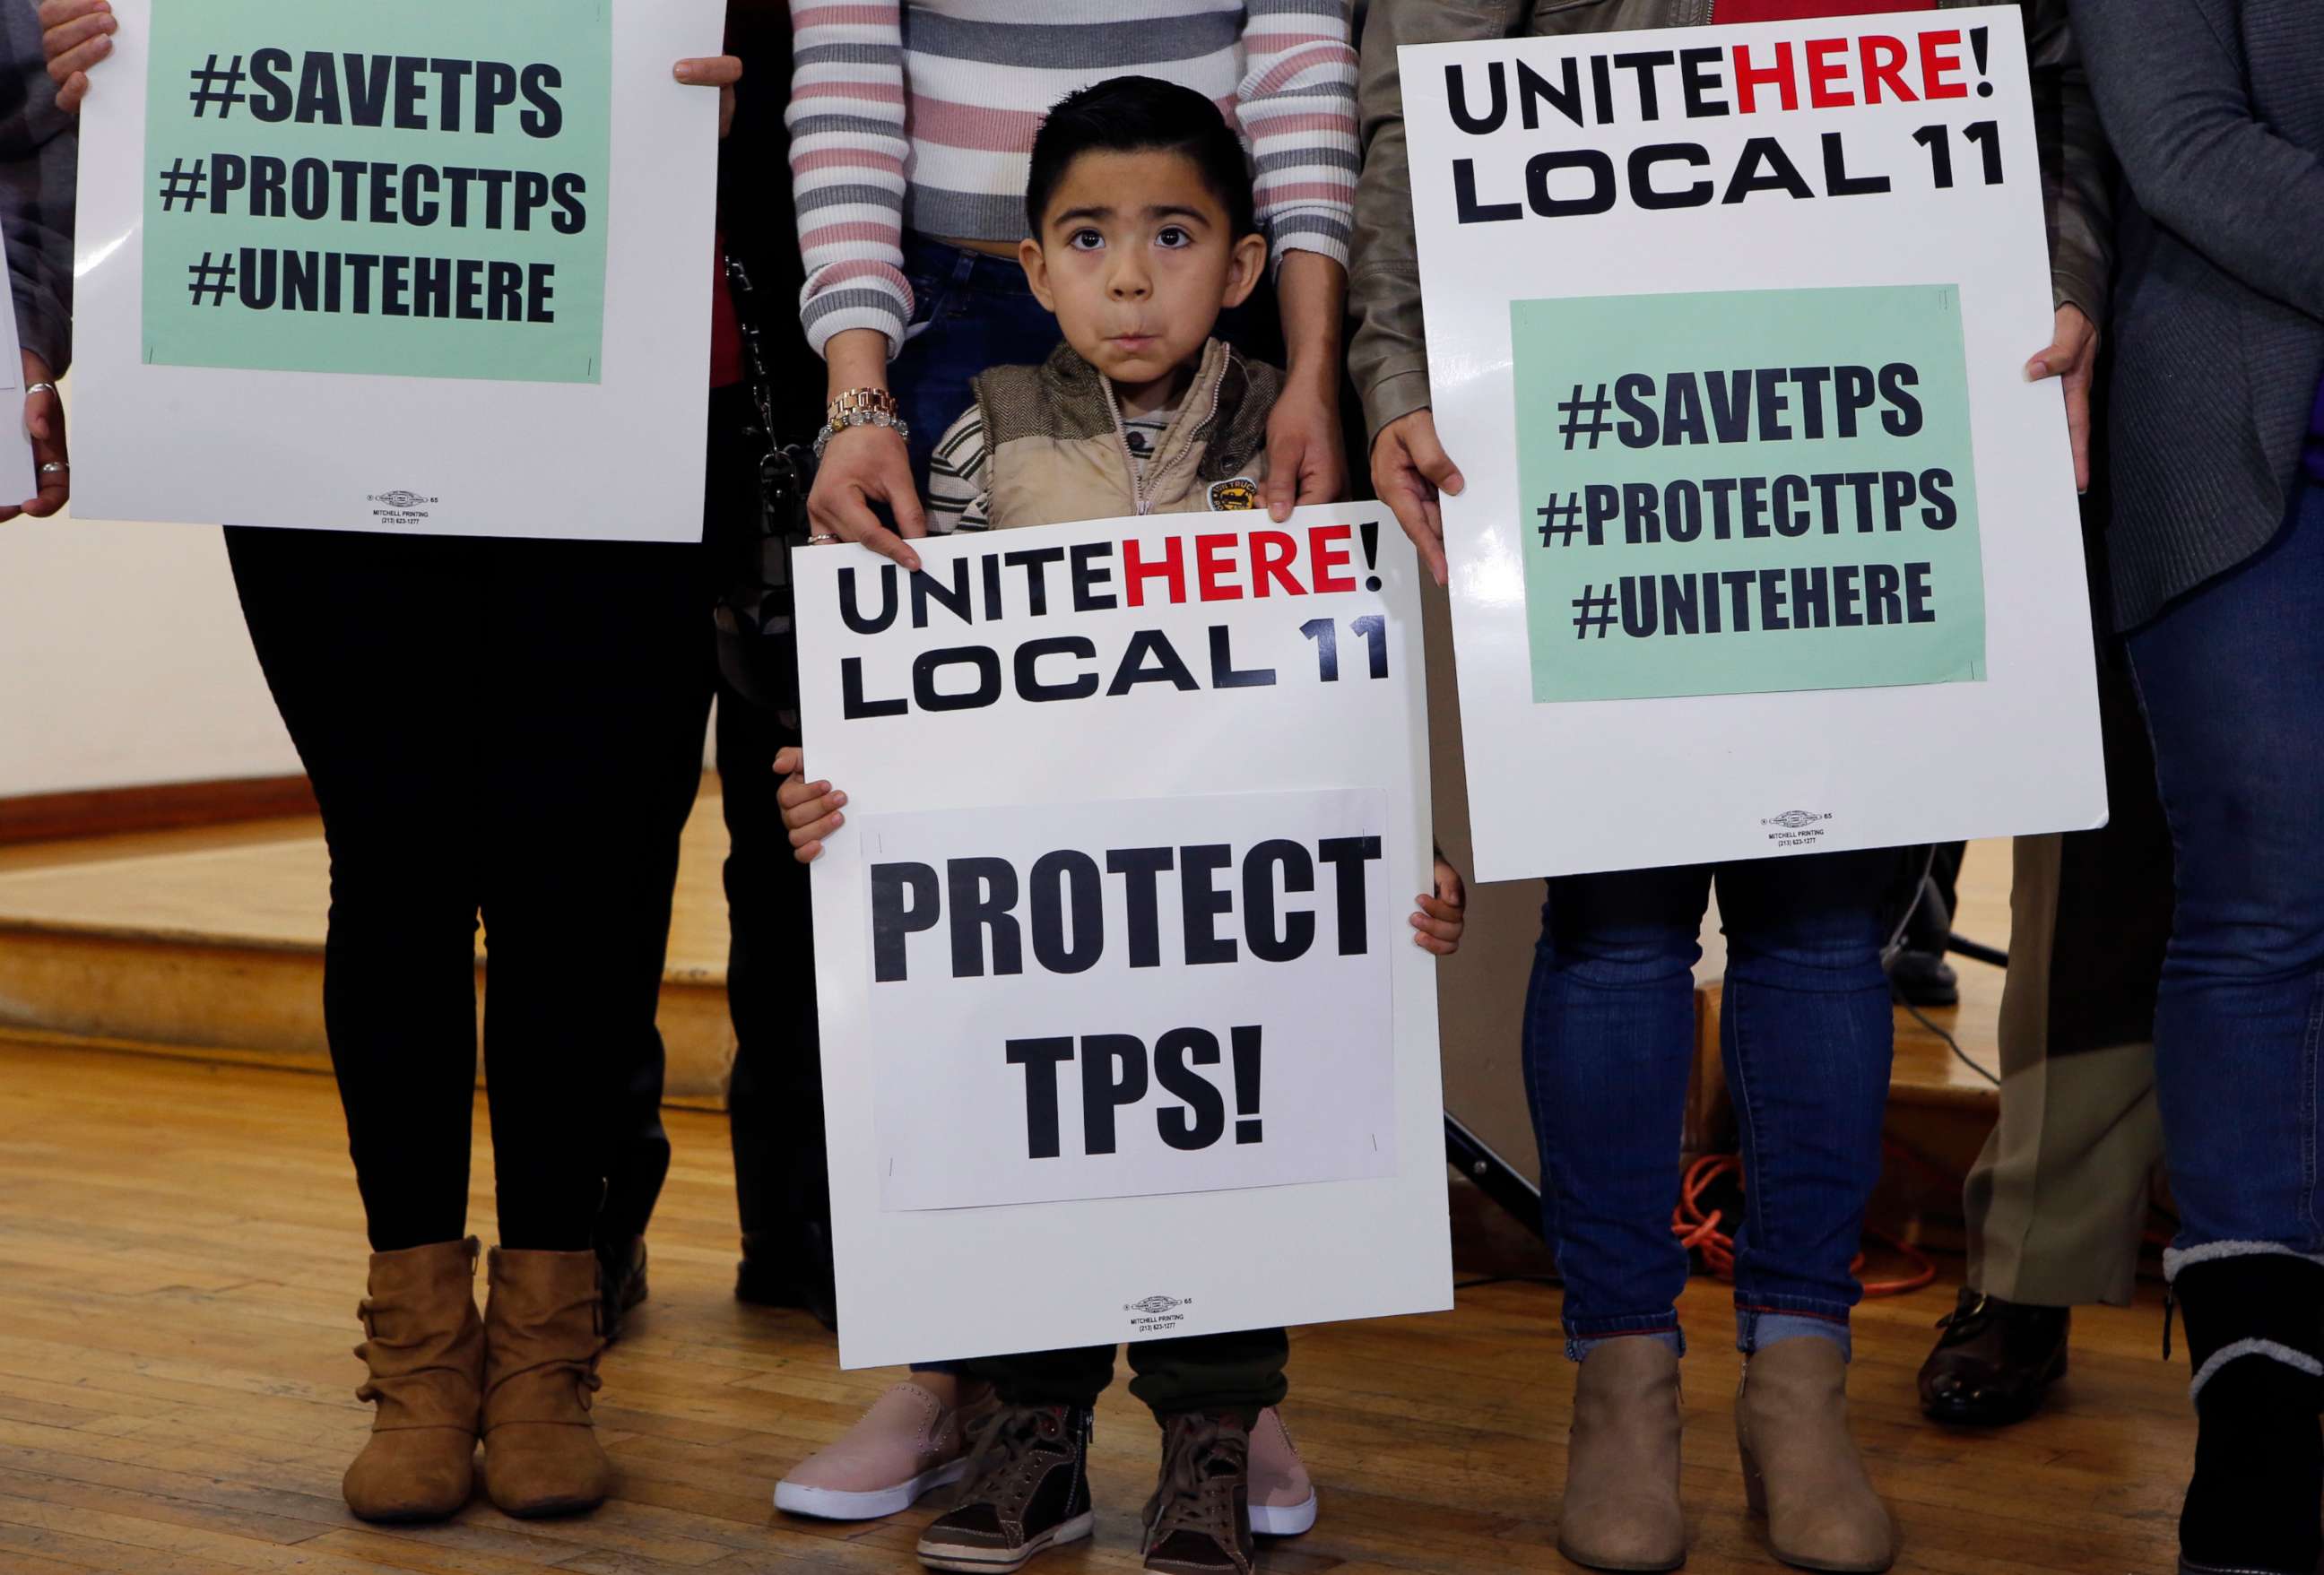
pixel 2232 678
pixel 1806 1036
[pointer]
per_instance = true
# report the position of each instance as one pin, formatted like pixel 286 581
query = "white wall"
pixel 124 661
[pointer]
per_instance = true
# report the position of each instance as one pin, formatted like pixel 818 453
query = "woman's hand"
pixel 2072 354
pixel 810 809
pixel 1410 470
pixel 44 420
pixel 1436 925
pixel 75 35
pixel 719 72
pixel 862 467
pixel 1306 462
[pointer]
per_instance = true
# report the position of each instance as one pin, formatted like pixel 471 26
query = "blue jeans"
pixel 1806 1034
pixel 969 312
pixel 2232 678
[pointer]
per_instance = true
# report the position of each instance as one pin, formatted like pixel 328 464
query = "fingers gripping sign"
pixel 811 810
pixel 75 35
pixel 862 468
pixel 2073 356
pixel 1411 472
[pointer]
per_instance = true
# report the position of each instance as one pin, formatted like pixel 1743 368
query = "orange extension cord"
pixel 1698 1230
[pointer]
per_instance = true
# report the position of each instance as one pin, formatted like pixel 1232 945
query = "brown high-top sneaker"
pixel 425 1347
pixel 541 1340
pixel 1799 1465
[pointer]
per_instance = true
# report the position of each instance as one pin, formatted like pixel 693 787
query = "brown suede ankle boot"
pixel 1621 1509
pixel 541 1340
pixel 1799 1465
pixel 425 1347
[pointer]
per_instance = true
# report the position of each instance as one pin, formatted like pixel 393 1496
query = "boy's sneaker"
pixel 907 1444
pixel 1198 1522
pixel 1282 1495
pixel 1027 1492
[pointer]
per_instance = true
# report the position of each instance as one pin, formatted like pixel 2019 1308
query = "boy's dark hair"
pixel 1136 114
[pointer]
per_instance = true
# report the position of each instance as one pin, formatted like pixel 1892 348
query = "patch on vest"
pixel 1235 493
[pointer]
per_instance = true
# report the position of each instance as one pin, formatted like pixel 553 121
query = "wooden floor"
pixel 180 1256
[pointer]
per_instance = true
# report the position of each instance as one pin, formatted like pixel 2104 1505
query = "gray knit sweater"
pixel 38 156
pixel 2216 108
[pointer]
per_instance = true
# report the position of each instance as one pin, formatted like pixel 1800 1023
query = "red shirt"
pixel 1807 9
pixel 725 328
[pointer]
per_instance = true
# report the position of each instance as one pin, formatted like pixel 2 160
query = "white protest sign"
pixel 1124 1032
pixel 436 268
pixel 1140 975
pixel 1727 328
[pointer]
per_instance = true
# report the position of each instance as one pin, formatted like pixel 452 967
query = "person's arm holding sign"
pixel 1295 111
pixel 813 810
pixel 857 300
pixel 2076 168
pixel 1389 355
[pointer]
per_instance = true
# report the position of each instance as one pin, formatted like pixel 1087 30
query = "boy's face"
pixel 1137 258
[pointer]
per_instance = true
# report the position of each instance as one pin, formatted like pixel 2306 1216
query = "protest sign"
pixel 1124 1034
pixel 439 268
pixel 1165 936
pixel 1727 332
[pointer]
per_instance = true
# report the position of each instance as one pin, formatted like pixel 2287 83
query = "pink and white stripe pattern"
pixel 921 117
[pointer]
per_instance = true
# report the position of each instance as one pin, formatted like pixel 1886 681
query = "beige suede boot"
pixel 541 1341
pixel 1799 1465
pixel 1621 1509
pixel 425 1347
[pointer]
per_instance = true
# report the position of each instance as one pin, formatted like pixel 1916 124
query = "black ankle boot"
pixel 2253 1336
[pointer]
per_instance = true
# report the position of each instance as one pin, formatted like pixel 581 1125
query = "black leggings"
pixel 505 728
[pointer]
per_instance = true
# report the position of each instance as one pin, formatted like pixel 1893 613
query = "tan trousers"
pixel 2057 1201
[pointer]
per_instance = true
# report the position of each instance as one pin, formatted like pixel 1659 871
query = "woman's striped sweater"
pixel 920 116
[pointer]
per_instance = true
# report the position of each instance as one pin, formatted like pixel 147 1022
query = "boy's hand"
pixel 1436 926
pixel 810 809
pixel 1409 469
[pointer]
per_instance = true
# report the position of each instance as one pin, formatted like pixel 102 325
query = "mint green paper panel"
pixel 415 189
pixel 1747 492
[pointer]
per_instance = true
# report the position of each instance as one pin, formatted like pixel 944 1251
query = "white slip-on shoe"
pixel 1282 1495
pixel 908 1444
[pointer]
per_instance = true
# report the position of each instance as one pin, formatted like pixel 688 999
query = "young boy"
pixel 1140 203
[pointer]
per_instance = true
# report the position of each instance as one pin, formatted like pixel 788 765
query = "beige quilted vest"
pixel 1055 449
